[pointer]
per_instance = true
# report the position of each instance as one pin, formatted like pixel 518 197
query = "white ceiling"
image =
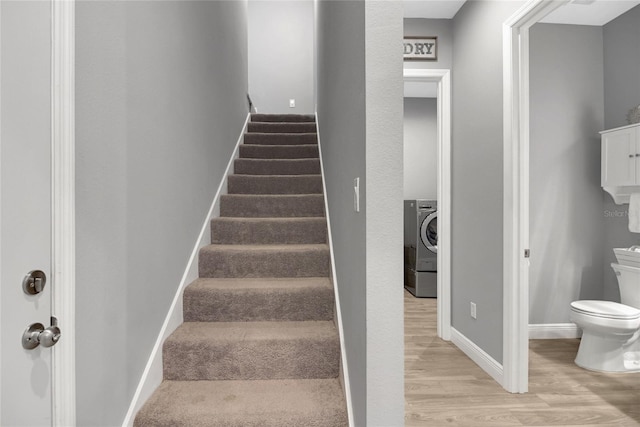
pixel 577 12
pixel 587 12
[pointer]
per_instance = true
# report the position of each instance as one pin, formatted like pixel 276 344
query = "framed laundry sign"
pixel 420 48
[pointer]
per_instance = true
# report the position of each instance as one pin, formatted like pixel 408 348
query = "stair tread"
pixel 263 146
pixel 284 247
pixel 267 177
pixel 253 403
pixel 269 219
pixel 282 138
pixel 299 160
pixel 274 195
pixel 204 283
pixel 282 118
pixel 263 231
pixel 216 333
pixel 285 134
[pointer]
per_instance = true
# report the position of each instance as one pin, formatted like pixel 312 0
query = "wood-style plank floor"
pixel 445 388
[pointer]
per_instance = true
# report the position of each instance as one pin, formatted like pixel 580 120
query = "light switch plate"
pixel 356 194
pixel 292 103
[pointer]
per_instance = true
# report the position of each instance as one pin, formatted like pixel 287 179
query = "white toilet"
pixel 611 331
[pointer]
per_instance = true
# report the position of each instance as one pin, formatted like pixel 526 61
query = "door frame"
pixel 443 79
pixel 63 265
pixel 515 37
pixel 62 274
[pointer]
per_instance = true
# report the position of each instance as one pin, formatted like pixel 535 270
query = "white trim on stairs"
pixel 152 375
pixel 554 331
pixel 478 355
pixel 334 281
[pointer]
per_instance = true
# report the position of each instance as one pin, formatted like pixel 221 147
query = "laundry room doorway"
pixel 419 80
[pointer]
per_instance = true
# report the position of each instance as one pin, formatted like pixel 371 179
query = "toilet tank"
pixel 629 257
pixel 629 284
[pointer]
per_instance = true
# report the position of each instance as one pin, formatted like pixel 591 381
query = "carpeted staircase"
pixel 258 346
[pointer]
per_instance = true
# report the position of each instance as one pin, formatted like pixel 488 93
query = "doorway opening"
pixel 442 79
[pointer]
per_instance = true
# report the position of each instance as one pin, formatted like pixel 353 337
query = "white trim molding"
pixel 334 281
pixel 443 79
pixel 554 331
pixel 478 355
pixel 152 375
pixel 516 191
pixel 63 262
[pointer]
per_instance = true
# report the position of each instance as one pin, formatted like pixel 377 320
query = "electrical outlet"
pixel 473 310
pixel 292 103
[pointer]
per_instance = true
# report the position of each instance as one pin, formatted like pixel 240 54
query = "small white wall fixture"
pixel 515 36
pixel 443 80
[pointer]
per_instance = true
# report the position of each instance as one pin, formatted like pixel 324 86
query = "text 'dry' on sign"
pixel 420 48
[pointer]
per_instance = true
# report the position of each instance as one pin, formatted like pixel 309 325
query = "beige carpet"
pixel 259 346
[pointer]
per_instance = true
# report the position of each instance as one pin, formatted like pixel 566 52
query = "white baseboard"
pixel 152 375
pixel 338 315
pixel 478 355
pixel 554 331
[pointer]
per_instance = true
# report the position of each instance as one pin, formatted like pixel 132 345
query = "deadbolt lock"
pixel 34 282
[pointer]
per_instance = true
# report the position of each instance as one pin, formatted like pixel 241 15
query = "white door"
pixel 25 207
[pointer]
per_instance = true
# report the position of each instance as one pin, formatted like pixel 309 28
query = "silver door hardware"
pixel 34 282
pixel 36 334
pixel 527 253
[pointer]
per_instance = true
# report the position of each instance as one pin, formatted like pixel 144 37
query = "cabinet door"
pixel 619 161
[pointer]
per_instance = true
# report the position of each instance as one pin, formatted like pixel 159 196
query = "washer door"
pixel 429 232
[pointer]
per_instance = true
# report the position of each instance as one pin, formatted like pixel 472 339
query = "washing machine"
pixel 421 247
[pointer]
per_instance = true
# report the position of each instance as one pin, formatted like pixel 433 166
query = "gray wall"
pixel 420 148
pixel 566 223
pixel 360 118
pixel 441 28
pixel 477 176
pixel 341 89
pixel 621 92
pixel 281 63
pixel 158 115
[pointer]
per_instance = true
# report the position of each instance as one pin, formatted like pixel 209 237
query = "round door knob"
pixel 36 335
pixel 49 337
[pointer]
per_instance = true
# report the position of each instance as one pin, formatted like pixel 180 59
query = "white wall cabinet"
pixel 621 162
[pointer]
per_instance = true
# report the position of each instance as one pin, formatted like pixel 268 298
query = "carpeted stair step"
pixel 275 184
pixel 282 127
pixel 309 151
pixel 261 299
pixel 270 205
pixel 264 403
pixel 252 351
pixel 268 231
pixel 280 138
pixel 290 118
pixel 264 261
pixel 276 166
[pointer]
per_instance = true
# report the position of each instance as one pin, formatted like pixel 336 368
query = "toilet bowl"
pixel 611 331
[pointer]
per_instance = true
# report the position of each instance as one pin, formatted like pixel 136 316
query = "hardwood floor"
pixel 445 388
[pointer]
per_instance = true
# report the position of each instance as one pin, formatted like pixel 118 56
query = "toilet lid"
pixel 606 309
